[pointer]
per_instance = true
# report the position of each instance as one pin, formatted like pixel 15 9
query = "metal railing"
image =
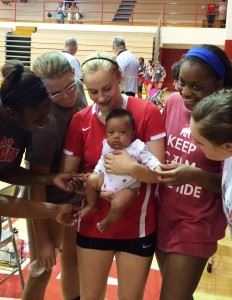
pixel 174 13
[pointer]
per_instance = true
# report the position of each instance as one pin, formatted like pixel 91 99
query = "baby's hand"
pixel 157 169
pixel 78 183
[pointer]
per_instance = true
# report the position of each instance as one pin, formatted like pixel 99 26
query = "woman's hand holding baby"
pixel 119 162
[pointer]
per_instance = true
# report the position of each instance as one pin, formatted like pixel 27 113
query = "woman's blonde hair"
pixel 51 65
pixel 100 60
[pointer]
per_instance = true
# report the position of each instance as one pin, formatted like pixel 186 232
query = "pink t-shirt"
pixel 187 214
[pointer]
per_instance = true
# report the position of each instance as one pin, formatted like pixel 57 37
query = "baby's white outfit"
pixel 137 150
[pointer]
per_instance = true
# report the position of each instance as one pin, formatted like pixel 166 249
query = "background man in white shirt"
pixel 70 49
pixel 129 66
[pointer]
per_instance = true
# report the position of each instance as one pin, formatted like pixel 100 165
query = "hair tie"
pixel 210 58
pixel 104 58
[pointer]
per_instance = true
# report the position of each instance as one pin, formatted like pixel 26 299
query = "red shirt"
pixel 84 139
pixel 211 9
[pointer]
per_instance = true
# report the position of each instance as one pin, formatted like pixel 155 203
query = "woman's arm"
pixel 22 208
pixel 70 163
pixel 22 176
pixel 178 174
pixel 44 241
pixel 209 181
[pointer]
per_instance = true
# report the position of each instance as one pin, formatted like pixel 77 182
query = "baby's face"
pixel 119 133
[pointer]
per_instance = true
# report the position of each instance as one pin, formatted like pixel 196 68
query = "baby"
pixel 120 133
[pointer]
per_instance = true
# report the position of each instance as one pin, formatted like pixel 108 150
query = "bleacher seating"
pixel 146 12
pixel 93 12
pixel 3 32
pixel 139 43
pixel 175 13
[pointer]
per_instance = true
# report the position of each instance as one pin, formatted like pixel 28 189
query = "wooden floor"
pixel 218 284
pixel 213 286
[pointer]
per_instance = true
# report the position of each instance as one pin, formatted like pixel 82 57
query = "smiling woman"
pixel 211 126
pixel 131 239
pixel 24 108
pixel 45 156
pixel 189 205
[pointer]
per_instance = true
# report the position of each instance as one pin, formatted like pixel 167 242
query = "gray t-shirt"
pixel 46 147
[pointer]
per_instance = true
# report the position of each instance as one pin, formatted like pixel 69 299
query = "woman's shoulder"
pixel 138 102
pixel 174 98
pixel 85 113
pixel 141 106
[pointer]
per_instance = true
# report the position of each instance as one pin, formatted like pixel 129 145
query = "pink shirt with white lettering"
pixel 188 213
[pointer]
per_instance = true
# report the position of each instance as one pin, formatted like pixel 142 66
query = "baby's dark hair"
pixel 119 113
pixel 21 88
pixel 214 117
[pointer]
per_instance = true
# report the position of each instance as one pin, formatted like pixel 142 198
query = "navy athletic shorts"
pixel 144 246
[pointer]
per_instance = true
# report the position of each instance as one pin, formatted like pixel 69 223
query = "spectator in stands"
pixel 79 15
pixel 72 13
pixel 68 3
pixel 158 75
pixel 148 83
pixel 7 2
pixel 211 11
pixel 129 66
pixel 131 240
pixel 24 108
pixel 70 49
pixel 44 156
pixel 222 8
pixel 60 14
pixel 140 77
